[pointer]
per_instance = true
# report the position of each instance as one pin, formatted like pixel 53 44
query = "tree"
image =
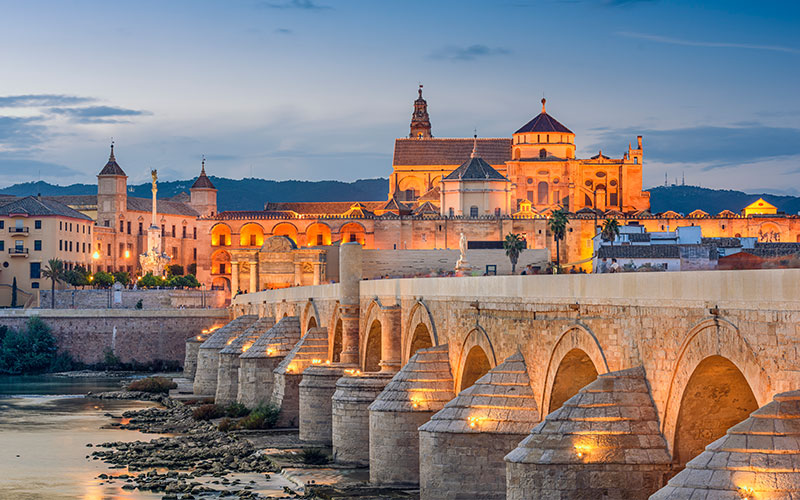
pixel 150 281
pixel 14 292
pixel 514 244
pixel 558 226
pixel 78 276
pixel 174 270
pixel 610 230
pixel 122 277
pixel 103 279
pixel 54 271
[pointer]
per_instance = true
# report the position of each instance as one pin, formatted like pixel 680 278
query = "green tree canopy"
pixel 514 244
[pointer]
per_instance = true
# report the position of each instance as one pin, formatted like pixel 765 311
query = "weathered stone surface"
pixel 228 371
pixel 205 380
pixel 756 459
pixel 350 415
pixel 315 392
pixel 462 447
pixel 256 365
pixel 286 392
pixel 415 393
pixel 605 442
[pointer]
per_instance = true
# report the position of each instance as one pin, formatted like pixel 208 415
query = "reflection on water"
pixel 45 424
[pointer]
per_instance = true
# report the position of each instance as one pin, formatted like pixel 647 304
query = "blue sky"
pixel 319 89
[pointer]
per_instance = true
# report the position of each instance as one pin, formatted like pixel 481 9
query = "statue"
pixel 462 266
pixel 154 260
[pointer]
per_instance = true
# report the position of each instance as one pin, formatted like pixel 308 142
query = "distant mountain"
pixel 684 199
pixel 244 194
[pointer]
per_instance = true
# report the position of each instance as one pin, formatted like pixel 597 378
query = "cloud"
pixel 710 146
pixel 98 114
pixel 283 31
pixel 692 43
pixel 15 169
pixel 38 100
pixel 295 4
pixel 469 53
pixel 17 133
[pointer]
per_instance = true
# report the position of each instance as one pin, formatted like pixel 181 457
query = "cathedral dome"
pixel 544 123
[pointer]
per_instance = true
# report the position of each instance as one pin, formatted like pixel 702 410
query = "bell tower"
pixel 112 192
pixel 420 121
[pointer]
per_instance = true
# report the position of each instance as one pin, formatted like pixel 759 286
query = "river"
pixel 45 425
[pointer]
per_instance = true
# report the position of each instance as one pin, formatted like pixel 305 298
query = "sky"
pixel 319 89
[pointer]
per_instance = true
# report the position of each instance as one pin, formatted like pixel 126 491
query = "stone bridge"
pixel 518 387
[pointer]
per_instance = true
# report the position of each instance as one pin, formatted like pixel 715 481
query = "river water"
pixel 45 425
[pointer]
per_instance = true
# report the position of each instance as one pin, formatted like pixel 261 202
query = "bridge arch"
pixel 477 357
pixel 576 360
pixel 420 331
pixel 372 329
pixel 335 332
pixel 310 317
pixel 716 383
pixel 286 229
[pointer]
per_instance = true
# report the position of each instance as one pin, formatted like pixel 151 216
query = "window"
pixel 70 227
pixel 2 246
pixel 36 270
pixel 34 284
pixel 253 239
pixel 105 223
pixel 636 162
pixel 163 230
pixel 542 193
pixel 37 244
pixel 60 245
pixel 194 254
pixel 352 237
pixel 122 226
pixel 194 229
pixel 548 137
pixel 319 239
pixel 473 211
pixel 84 247
pixel 108 250
pixel 70 246
pixel 174 252
pixel 140 229
pixel 542 153
pixel 129 227
pixel 84 230
pixel 222 268
pixel 18 245
pixel 37 224
pixel 451 212
pixel 173 230
pixel 497 212
pixel 184 232
pixel 18 223
pixel 121 249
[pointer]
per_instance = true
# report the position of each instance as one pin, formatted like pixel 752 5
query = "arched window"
pixel 497 214
pixel 517 154
pixel 542 193
pixel 473 211
pixel 542 153
pixel 451 212
pixel 635 160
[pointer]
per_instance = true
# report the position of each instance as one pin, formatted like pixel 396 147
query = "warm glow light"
pixel 474 421
pixel 247 346
pixel 747 493
pixel 230 341
pixel 204 331
pixel 316 361
pixel 96 255
pixel 351 371
pixel 327 361
pixel 127 254
pixel 291 368
pixel 270 351
pixel 582 450
pixel 199 337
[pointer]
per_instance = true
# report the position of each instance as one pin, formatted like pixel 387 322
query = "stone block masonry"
pixel 316 390
pixel 205 380
pixel 350 415
pixel 132 335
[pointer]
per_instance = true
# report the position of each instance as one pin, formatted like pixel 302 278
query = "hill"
pixel 242 194
pixel 684 199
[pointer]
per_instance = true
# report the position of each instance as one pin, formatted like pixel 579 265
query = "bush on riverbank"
pixel 152 385
pixel 33 349
pixel 262 417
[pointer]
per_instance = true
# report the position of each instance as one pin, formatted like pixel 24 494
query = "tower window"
pixel 451 212
pixel 542 153
pixel 473 211
pixel 635 160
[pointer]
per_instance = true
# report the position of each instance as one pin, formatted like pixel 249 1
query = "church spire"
pixel 420 121
pixel 543 103
pixel 474 146
pixel 111 156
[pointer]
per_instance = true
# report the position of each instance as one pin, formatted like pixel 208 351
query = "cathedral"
pixel 538 163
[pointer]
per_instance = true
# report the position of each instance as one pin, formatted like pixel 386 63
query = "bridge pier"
pixel 205 379
pixel 350 415
pixel 604 442
pixel 415 393
pixel 311 349
pixel 756 459
pixel 256 365
pixel 461 448
pixel 228 370
pixel 315 392
pixel 190 358
pixel 390 338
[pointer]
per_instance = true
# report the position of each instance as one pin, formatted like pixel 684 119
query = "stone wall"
pixel 410 263
pixel 132 335
pixel 127 299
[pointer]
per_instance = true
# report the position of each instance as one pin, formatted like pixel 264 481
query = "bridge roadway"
pixel 713 345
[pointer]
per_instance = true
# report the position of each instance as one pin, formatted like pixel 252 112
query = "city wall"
pixel 132 335
pixel 569 325
pixel 379 263
pixel 128 299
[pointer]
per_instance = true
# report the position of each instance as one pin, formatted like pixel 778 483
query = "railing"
pixel 18 230
pixel 18 251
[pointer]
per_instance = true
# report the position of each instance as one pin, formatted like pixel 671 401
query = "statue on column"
pixel 154 260
pixel 462 266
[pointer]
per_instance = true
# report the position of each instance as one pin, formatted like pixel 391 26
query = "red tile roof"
pixel 449 151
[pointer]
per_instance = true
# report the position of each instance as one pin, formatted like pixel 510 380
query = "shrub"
pixel 139 304
pixel 30 350
pixel 225 425
pixel 175 270
pixel 149 281
pixel 191 268
pixel 207 412
pixel 111 361
pixel 103 279
pixel 153 385
pixel 262 417
pixel 314 456
pixel 236 410
pixel 78 276
pixel 122 277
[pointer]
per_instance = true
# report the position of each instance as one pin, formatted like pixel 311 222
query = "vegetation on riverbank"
pixel 32 349
pixel 155 385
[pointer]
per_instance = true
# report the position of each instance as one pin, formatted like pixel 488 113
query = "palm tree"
pixel 514 244
pixel 54 271
pixel 558 226
pixel 610 230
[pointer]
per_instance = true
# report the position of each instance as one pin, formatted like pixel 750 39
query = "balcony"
pixel 22 231
pixel 18 252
